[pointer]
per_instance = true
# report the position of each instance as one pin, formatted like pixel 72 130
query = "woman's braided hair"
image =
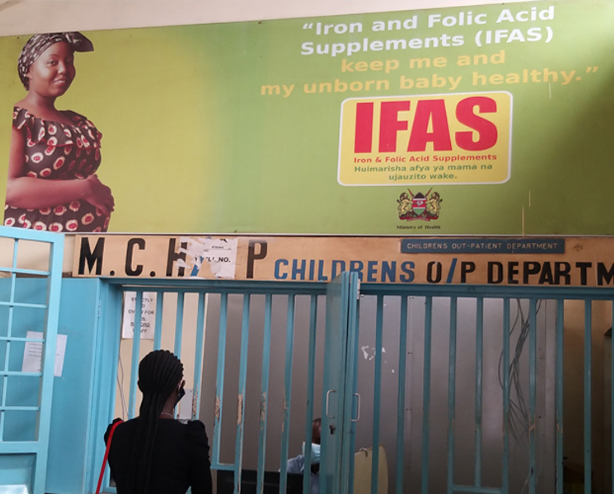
pixel 159 374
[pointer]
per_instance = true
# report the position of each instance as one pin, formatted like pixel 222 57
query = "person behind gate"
pixel 297 464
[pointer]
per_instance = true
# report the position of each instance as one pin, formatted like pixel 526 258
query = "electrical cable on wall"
pixel 518 409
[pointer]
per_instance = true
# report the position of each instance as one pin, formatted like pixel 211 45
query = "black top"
pixel 180 459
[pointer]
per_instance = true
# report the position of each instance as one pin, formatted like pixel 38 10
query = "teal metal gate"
pixel 221 328
pixel 28 329
pixel 389 368
pixel 476 403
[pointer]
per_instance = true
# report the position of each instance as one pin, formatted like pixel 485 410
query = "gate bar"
pixel 219 386
pixel 313 312
pixel 285 429
pixel 452 392
pixel 532 394
pixel 179 323
pixel 401 396
pixel 136 347
pixel 241 394
pixel 158 323
pixel 264 392
pixel 560 316
pixel 588 411
pixel 479 374
pixel 198 358
pixel 506 396
pixel 426 392
pixel 377 384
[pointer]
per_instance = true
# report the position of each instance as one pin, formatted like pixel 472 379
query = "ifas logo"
pixel 420 206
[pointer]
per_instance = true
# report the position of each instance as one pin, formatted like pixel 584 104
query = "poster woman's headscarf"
pixel 38 43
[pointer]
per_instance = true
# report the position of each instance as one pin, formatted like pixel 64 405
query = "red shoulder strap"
pixel 106 454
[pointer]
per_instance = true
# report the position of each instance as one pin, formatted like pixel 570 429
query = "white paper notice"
pixel 33 353
pixel 148 315
pixel 209 258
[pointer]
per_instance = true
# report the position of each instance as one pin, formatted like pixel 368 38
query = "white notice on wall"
pixel 33 353
pixel 148 315
pixel 209 258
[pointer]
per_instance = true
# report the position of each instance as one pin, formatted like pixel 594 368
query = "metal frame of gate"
pixel 313 290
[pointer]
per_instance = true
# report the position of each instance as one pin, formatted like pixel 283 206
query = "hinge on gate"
pixel 358 290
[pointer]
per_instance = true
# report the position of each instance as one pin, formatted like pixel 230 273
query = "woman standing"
pixel 54 154
pixel 153 453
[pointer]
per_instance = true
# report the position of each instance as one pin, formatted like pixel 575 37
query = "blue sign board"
pixel 483 246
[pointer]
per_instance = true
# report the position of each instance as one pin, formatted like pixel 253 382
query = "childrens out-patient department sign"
pixel 548 261
pixel 488 120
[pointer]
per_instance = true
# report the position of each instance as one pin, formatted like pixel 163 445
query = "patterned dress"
pixel 55 151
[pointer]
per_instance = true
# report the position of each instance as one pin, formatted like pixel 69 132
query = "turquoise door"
pixel 28 331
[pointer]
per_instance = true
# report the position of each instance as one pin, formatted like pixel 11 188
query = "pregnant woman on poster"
pixel 54 154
